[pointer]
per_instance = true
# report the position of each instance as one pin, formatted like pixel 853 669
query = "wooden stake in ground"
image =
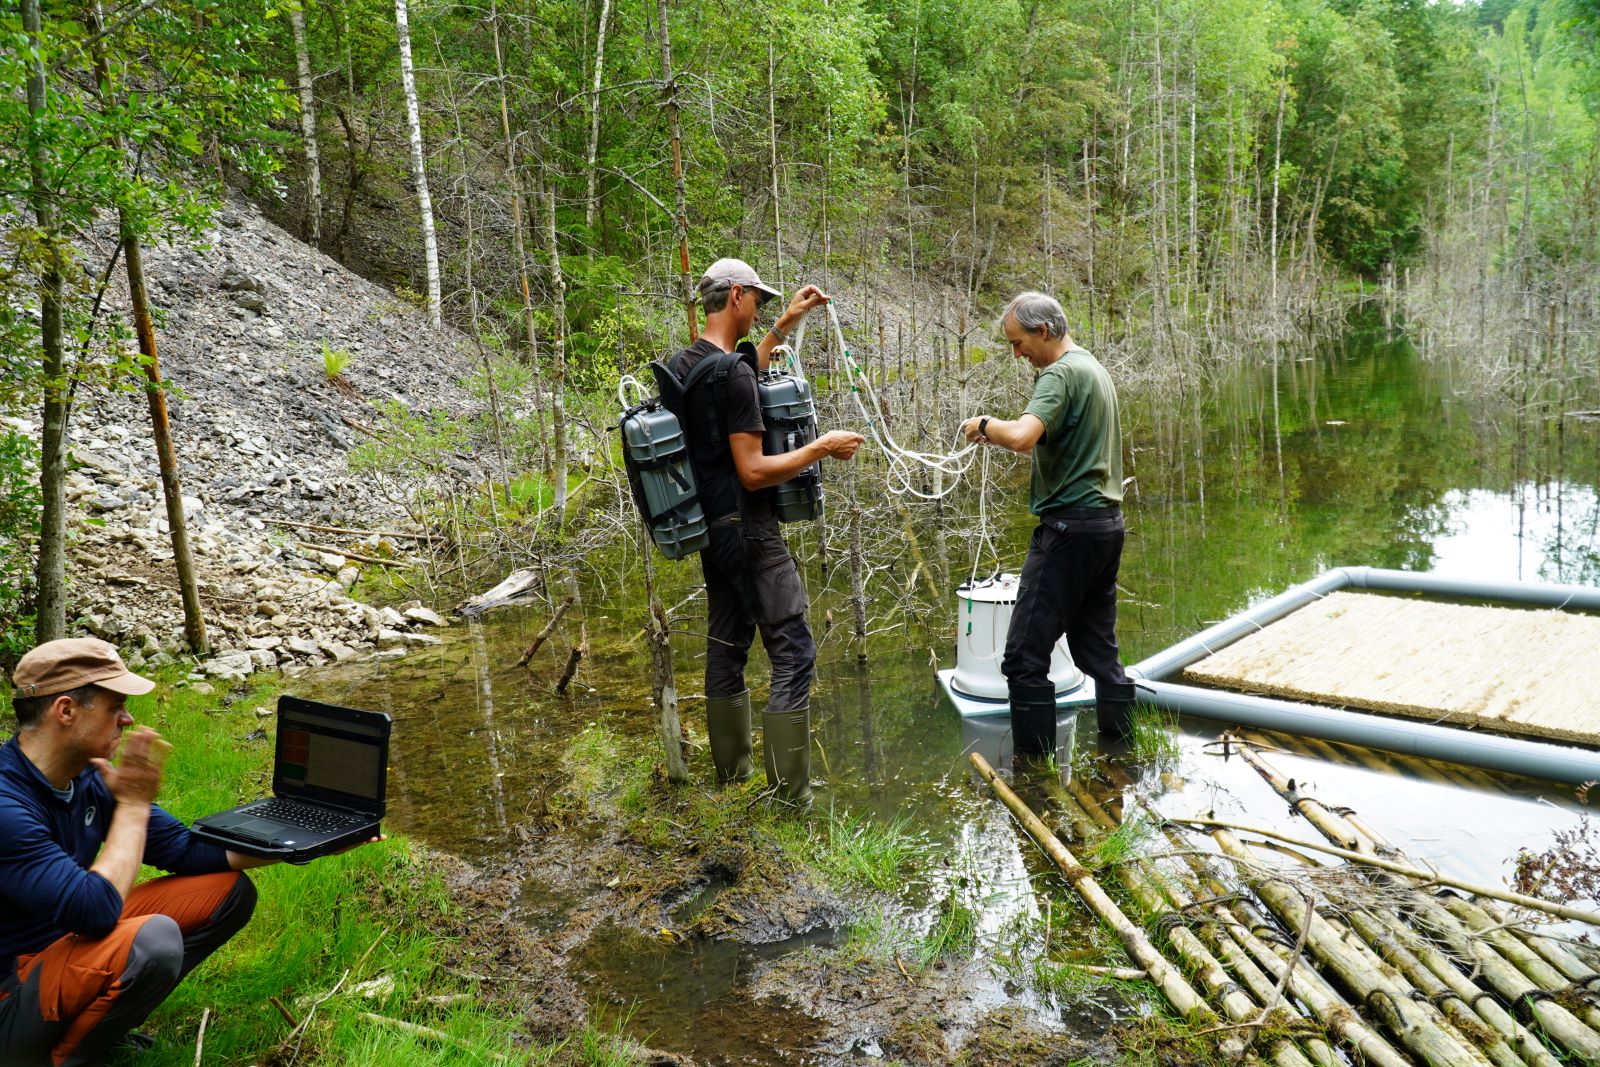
pixel 1179 993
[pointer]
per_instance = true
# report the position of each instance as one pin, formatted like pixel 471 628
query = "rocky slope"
pixel 263 438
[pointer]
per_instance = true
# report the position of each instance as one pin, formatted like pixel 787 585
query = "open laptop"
pixel 328 780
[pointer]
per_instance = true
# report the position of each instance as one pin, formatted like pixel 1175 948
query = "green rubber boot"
pixel 787 740
pixel 728 728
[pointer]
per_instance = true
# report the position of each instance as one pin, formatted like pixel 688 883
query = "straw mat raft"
pixel 1511 670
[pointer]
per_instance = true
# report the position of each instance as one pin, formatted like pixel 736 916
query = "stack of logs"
pixel 1414 969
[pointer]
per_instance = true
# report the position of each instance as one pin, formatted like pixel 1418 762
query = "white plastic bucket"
pixel 983 615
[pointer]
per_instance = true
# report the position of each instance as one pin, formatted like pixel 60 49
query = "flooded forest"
pixel 317 321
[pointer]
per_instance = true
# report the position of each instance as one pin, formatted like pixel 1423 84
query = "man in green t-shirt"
pixel 1069 581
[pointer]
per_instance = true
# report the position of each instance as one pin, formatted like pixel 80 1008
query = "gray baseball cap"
pixel 730 272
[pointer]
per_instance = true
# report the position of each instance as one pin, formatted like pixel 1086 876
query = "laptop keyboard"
pixel 304 816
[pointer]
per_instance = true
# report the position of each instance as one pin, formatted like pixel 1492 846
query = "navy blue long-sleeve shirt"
pixel 47 845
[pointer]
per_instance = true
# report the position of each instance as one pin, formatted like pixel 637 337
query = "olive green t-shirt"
pixel 1078 461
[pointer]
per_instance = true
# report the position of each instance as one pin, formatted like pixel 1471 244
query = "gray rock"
pixel 424 616
pixel 338 651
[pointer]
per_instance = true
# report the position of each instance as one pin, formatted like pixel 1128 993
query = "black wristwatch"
pixel 983 426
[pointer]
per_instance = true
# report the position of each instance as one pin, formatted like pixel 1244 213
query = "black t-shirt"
pixel 743 405
pixel 709 454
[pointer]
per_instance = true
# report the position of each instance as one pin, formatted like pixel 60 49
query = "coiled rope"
pixel 903 462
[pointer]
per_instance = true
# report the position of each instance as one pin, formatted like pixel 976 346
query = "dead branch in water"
pixel 549 628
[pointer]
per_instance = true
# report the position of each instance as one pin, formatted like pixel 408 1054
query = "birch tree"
pixel 419 168
pixel 308 126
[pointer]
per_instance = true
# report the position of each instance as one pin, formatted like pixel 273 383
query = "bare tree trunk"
pixel 663 682
pixel 308 126
pixel 50 574
pixel 558 361
pixel 472 289
pixel 194 624
pixel 594 111
pixel 419 168
pixel 669 88
pixel 519 245
pixel 772 144
pixel 1277 162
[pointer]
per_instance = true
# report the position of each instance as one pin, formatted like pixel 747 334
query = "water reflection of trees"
pixel 1344 456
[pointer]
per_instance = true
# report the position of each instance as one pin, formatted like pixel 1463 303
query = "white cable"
pixel 901 459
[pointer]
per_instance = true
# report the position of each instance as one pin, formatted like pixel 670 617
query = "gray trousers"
pixel 70 1005
pixel 752 584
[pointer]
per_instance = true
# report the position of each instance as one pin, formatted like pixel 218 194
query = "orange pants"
pixel 71 1002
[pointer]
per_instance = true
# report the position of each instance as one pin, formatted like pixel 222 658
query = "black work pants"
pixel 752 583
pixel 1068 586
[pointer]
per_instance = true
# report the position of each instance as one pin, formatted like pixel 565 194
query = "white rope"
pixel 902 460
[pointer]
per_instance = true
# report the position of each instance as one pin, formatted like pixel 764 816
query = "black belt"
pixel 1083 520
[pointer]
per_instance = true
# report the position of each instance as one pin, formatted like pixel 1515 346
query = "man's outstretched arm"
pixel 1019 434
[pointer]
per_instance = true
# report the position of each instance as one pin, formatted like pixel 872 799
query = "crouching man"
pixel 85 954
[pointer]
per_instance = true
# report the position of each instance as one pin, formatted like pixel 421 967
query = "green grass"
pixel 1127 842
pixel 851 850
pixel 1154 738
pixel 953 935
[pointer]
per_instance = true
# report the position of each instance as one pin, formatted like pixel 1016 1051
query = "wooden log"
pixel 1421 874
pixel 356 533
pixel 357 556
pixel 1325 1003
pixel 549 628
pixel 1456 1008
pixel 1527 1044
pixel 1179 993
pixel 518 585
pixel 1413 1024
pixel 1213 957
pixel 1121 974
pixel 1529 962
pixel 1562 1026
pixel 1236 1005
pixel 1559 956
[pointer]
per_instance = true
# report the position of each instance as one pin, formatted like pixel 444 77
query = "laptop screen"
pixel 331 754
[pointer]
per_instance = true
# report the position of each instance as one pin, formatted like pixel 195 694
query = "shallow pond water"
pixel 1350 452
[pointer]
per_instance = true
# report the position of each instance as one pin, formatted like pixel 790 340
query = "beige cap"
pixel 57 666
pixel 725 273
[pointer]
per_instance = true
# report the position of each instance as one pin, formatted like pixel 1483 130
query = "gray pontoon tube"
pixel 1538 759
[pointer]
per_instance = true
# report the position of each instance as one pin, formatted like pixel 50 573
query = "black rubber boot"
pixel 1033 720
pixel 787 741
pixel 728 728
pixel 1113 705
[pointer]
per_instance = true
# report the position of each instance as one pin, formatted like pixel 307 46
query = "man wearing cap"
pixel 752 582
pixel 85 955
pixel 1072 430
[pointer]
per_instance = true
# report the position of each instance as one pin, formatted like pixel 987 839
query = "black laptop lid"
pixel 331 755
